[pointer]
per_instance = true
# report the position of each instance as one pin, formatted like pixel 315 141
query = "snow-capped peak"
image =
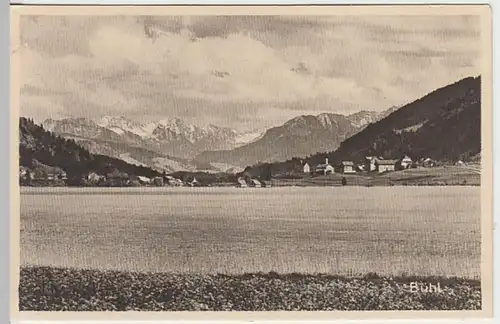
pixel 249 137
pixel 121 124
pixel 326 120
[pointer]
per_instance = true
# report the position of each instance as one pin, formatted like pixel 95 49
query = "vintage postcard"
pixel 259 162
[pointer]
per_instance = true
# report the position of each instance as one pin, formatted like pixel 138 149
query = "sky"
pixel 244 72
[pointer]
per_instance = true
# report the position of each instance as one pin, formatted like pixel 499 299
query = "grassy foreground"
pixel 64 289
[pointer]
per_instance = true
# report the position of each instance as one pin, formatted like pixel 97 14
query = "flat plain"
pixel 391 231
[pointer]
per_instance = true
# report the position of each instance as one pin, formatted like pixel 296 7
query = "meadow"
pixel 436 176
pixel 391 231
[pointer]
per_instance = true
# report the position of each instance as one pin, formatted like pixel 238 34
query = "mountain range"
pixel 168 144
pixel 298 137
pixel 174 145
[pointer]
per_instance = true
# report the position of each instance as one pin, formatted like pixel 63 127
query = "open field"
pixel 57 289
pixel 424 231
pixel 438 176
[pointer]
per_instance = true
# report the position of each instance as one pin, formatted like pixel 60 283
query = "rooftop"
pixel 387 162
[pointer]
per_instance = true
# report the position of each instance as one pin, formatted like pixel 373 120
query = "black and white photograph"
pixel 294 160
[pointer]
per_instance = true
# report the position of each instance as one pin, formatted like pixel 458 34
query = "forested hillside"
pixel 445 125
pixel 40 147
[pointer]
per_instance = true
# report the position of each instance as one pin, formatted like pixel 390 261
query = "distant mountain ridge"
pixel 172 145
pixel 166 145
pixel 171 136
pixel 300 136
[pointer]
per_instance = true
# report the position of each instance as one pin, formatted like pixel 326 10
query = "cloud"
pixel 240 71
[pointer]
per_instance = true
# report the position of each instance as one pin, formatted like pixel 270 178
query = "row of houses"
pixel 166 181
pixel 94 178
pixel 163 181
pixel 250 182
pixel 327 168
pixel 41 174
pixel 371 164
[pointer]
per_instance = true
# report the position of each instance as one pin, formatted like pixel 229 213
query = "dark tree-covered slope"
pixel 444 125
pixel 38 145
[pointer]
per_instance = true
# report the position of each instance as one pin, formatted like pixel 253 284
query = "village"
pixel 373 165
pixel 51 176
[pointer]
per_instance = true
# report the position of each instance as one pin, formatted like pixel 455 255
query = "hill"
pixel 39 147
pixel 444 125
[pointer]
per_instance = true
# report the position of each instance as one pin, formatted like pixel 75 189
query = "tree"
pixel 266 172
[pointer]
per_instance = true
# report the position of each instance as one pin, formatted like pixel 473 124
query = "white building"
pixel 371 163
pixel 144 180
pixel 241 183
pixel 386 166
pixel 255 183
pixel 348 167
pixel 93 177
pixel 325 168
pixel 406 162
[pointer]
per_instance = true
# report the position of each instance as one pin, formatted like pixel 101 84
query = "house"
pixel 360 167
pixel 241 183
pixel 55 175
pixel 406 162
pixel 143 180
pixel 194 183
pixel 386 165
pixel 117 178
pixel 428 162
pixel 171 181
pixel 324 168
pixel 158 181
pixel 25 174
pixel 460 163
pixel 255 183
pixel 307 168
pixel 371 163
pixel 347 167
pixel 39 174
pixel 93 177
